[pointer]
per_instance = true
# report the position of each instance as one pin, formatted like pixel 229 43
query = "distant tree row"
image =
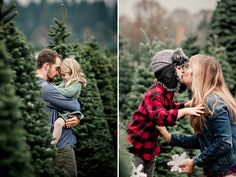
pixel 83 17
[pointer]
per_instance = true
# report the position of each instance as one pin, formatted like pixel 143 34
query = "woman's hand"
pixel 187 166
pixel 72 121
pixel 165 135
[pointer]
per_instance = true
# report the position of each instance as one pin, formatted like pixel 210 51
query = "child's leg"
pixel 59 123
pixel 148 165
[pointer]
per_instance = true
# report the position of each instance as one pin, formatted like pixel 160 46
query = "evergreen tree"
pixel 80 13
pixel 126 74
pixel 14 152
pixel 125 167
pixel 59 35
pixel 94 148
pixel 36 123
pixel 112 70
pixel 220 54
pixel 100 65
pixel 189 45
pixel 94 140
pixel 222 28
pixel 143 76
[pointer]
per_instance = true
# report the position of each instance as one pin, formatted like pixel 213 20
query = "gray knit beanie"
pixel 166 57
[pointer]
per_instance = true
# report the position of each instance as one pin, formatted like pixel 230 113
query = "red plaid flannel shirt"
pixel 156 108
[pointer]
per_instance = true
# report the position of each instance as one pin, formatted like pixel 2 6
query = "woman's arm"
pixel 219 127
pixel 184 141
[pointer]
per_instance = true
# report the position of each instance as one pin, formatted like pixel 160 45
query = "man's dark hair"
pixel 46 55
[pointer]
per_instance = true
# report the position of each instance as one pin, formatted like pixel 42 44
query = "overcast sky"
pixel 193 6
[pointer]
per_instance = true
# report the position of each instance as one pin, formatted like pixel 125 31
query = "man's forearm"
pixel 60 102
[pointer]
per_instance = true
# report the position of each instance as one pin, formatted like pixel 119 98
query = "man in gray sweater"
pixel 47 67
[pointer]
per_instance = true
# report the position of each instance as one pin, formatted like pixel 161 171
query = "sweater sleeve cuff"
pixel 172 139
pixel 197 161
pixel 181 105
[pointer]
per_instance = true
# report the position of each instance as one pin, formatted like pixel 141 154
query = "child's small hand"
pixel 197 110
pixel 188 104
pixel 165 135
pixel 72 121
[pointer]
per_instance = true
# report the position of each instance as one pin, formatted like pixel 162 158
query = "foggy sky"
pixel 193 6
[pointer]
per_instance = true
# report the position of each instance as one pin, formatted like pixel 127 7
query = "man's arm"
pixel 58 101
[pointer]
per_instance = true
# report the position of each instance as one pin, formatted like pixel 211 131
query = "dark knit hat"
pixel 164 66
pixel 167 57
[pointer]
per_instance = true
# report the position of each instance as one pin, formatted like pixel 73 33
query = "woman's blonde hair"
pixel 72 67
pixel 207 77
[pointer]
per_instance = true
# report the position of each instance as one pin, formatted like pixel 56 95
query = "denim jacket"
pixel 217 141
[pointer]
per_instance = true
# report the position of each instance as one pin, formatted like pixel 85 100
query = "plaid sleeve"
pixel 179 105
pixel 157 111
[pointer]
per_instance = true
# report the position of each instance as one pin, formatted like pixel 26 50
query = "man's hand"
pixel 72 121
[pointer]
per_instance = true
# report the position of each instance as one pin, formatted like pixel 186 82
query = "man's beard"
pixel 50 79
pixel 49 76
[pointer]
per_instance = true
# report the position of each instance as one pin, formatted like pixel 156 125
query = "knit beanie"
pixel 164 66
pixel 162 59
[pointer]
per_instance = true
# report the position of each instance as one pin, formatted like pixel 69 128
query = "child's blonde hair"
pixel 72 67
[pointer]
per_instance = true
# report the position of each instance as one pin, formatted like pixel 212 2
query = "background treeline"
pixel 25 148
pixel 83 17
pixel 160 22
pixel 136 76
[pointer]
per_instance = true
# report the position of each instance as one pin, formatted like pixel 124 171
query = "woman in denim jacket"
pixel 215 131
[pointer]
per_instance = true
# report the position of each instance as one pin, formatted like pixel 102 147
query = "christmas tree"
pixel 100 65
pixel 219 53
pixel 35 119
pixel 143 77
pixel 222 29
pixel 126 74
pixel 14 152
pixel 94 148
pixel 189 45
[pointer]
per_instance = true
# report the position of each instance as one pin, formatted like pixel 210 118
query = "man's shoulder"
pixel 45 85
pixel 42 83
